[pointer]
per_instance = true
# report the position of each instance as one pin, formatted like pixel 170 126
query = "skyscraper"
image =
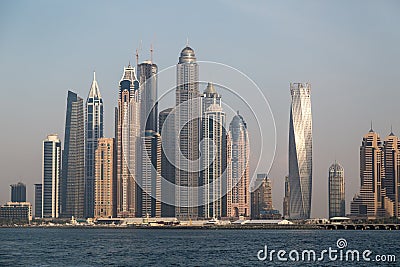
pixel 105 183
pixel 300 151
pixel 166 127
pixel 371 202
pixel 150 199
pixel 73 167
pixel 187 128
pixel 38 200
pixel 391 182
pixel 213 151
pixel 18 192
pixel 127 139
pixel 238 149
pixel 51 168
pixel 261 196
pixel 337 205
pixel 149 191
pixel 94 131
pixel 147 75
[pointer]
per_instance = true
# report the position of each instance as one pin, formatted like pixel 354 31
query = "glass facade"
pixel 337 207
pixel 300 151
pixel 51 177
pixel 94 131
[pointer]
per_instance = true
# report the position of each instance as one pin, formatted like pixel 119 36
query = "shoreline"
pixel 362 227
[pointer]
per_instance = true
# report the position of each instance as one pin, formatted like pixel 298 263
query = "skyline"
pixel 367 76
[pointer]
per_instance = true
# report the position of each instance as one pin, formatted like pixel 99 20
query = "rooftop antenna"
pixel 187 41
pixel 151 53
pixel 137 57
pixel 138 50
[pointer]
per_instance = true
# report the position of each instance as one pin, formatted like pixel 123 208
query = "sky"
pixel 348 51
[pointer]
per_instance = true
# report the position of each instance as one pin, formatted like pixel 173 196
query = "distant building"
pixel 38 200
pixel 391 154
pixel 286 199
pixel 336 191
pixel 166 127
pixel 105 179
pixel 51 170
pixel 371 202
pixel 18 192
pixel 16 212
pixel 73 160
pixel 238 149
pixel 300 151
pixel 93 131
pixel 214 154
pixel 127 141
pixel 261 199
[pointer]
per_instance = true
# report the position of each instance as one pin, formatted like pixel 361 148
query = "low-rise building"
pixel 16 212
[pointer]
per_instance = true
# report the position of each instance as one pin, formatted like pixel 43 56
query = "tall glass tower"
pixel 127 139
pixel 337 207
pixel 213 151
pixel 300 151
pixel 149 192
pixel 51 168
pixel 94 131
pixel 166 126
pixel 73 167
pixel 238 153
pixel 187 127
pixel 147 75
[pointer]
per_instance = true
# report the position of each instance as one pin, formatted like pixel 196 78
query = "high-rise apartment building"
pixel 94 131
pixel 18 192
pixel 147 75
pixel 38 201
pixel 105 182
pixel 238 155
pixel 127 138
pixel 337 204
pixel 371 202
pixel 187 129
pixel 214 155
pixel 51 169
pixel 166 126
pixel 261 197
pixel 149 191
pixel 150 187
pixel 300 151
pixel 391 182
pixel 73 161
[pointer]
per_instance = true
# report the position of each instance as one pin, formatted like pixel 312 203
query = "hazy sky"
pixel 348 50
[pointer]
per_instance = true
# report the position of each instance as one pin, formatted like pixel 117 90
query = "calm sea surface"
pixel 152 247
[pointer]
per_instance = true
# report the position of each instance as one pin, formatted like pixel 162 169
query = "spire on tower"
pixel 137 57
pixel 371 130
pixel 151 53
pixel 391 131
pixel 187 41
